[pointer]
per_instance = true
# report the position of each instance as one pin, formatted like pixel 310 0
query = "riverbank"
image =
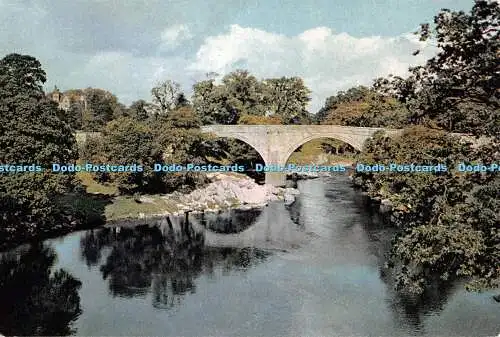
pixel 225 191
pixel 100 204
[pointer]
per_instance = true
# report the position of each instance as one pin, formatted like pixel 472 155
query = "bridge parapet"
pixel 275 143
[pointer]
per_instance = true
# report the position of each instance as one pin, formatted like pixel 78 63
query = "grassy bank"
pixel 103 202
pixel 115 207
pixel 123 207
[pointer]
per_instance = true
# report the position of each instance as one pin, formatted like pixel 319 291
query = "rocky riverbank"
pixel 225 191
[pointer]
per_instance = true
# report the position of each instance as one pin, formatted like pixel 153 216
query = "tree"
pixel 30 133
pixel 363 107
pixel 21 75
pixel 181 142
pixel 240 93
pixel 260 120
pixel 354 94
pixel 288 99
pixel 244 92
pixel 138 110
pixel 458 88
pixel 73 116
pixel 165 96
pixel 211 104
pixel 102 107
pixel 126 141
pixel 448 221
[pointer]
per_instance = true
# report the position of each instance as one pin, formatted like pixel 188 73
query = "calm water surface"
pixel 312 269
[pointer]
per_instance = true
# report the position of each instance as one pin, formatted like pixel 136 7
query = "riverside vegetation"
pixel 448 224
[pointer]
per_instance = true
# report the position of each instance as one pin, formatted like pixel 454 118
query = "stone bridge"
pixel 275 143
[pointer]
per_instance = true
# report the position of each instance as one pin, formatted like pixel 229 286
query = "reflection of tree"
pixel 161 259
pixel 91 246
pixel 411 310
pixel 408 309
pixel 234 221
pixel 295 212
pixel 32 301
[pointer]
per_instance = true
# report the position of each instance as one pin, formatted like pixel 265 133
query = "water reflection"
pixel 411 311
pixel 234 221
pixel 328 280
pixel 34 300
pixel 332 206
pixel 163 259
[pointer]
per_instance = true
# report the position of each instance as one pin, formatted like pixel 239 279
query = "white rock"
pixel 293 191
pixel 289 199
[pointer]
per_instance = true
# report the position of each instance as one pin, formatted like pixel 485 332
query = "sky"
pixel 127 46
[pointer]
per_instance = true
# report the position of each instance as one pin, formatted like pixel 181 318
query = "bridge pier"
pixel 277 179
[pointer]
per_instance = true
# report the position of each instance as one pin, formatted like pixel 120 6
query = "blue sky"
pixel 127 46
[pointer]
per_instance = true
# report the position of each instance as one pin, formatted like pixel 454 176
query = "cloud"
pixel 128 76
pixel 172 36
pixel 125 49
pixel 328 61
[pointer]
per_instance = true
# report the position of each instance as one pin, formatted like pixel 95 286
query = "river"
pixel 311 269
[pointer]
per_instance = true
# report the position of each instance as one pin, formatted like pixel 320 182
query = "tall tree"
pixel 458 88
pixel 102 106
pixel 126 141
pixel 449 222
pixel 210 102
pixel 287 98
pixel 240 93
pixel 244 92
pixel 165 97
pixel 180 141
pixel 30 133
pixel 366 108
pixel 355 94
pixel 21 75
pixel 137 110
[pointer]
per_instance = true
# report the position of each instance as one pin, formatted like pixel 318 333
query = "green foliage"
pixel 260 120
pixel 30 133
pixel 243 99
pixel 74 115
pixel 449 221
pixel 125 141
pixel 214 105
pixel 101 107
pixel 363 107
pixel 322 151
pixel 288 99
pixel 181 142
pixel 35 299
pixel 173 138
pixel 166 97
pixel 137 110
pixel 21 75
pixel 458 88
pixel 352 95
pixel 241 94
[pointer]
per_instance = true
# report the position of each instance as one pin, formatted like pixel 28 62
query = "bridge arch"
pixel 275 143
pixel 343 138
pixel 247 141
pixel 257 176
